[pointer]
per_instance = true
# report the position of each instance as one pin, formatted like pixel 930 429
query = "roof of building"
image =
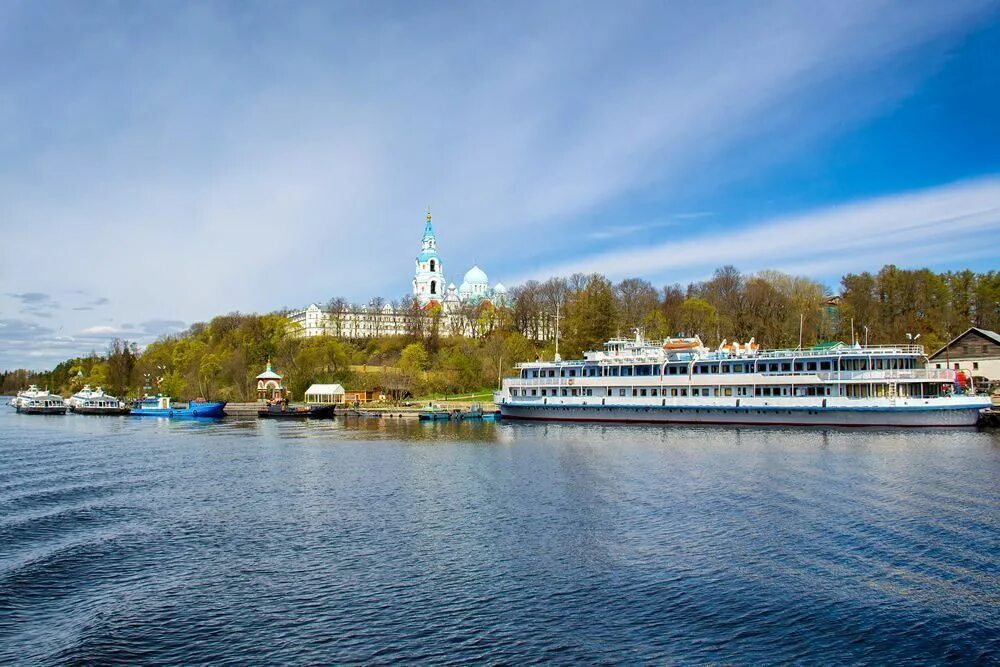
pixel 428 228
pixel 269 374
pixel 986 333
pixel 828 345
pixel 475 276
pixel 499 288
pixel 428 254
pixel 325 389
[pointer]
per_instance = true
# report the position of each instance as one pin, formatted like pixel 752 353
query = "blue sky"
pixel 161 163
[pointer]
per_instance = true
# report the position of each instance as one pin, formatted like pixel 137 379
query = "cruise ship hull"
pixel 910 416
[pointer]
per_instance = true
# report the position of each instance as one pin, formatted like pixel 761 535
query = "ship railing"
pixel 872 350
pixel 941 375
pixel 537 382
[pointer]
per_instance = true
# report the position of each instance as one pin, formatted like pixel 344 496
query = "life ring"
pixel 570 381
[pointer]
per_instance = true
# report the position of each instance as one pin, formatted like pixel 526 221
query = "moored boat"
pixel 42 404
pixel 89 401
pixel 283 411
pixel 162 406
pixel 473 413
pixel 682 381
pixel 31 392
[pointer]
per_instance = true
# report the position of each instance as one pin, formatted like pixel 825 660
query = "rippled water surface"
pixel 125 539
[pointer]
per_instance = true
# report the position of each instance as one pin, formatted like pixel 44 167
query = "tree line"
pixel 220 359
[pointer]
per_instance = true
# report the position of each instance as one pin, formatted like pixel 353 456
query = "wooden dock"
pixel 990 418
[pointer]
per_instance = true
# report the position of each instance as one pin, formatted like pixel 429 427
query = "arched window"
pixel 433 264
pixel 433 284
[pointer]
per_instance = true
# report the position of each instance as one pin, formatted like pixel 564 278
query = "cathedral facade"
pixel 448 309
pixel 429 284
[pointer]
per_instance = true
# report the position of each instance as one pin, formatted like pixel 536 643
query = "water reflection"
pixel 382 540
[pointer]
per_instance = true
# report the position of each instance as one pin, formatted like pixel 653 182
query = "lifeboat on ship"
pixel 682 344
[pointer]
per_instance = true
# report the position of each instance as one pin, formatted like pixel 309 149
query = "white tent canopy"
pixel 325 394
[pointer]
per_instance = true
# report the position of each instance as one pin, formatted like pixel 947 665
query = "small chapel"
pixel 269 385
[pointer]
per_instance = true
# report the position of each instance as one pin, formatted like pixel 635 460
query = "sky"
pixel 162 163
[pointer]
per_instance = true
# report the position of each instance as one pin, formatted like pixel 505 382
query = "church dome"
pixel 476 276
pixel 500 289
pixel 465 289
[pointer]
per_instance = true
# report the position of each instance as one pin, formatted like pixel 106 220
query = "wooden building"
pixel 364 396
pixel 977 352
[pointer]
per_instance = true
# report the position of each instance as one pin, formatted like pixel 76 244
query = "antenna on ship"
pixel 557 332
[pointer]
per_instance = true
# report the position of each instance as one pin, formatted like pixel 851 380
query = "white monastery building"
pixel 452 309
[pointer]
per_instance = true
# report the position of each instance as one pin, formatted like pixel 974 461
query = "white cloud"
pixel 100 330
pixel 953 220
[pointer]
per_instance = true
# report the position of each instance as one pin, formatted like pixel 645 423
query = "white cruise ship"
pixel 679 380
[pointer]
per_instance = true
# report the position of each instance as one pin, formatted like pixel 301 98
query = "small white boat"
pixel 89 401
pixel 80 397
pixel 31 392
pixel 35 402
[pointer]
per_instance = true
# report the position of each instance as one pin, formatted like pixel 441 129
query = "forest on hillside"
pixel 219 359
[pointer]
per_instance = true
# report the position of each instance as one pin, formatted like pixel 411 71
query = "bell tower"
pixel 428 278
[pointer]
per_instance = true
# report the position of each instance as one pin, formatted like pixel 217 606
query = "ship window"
pixel 673 370
pixel 572 373
pixel 811 366
pixel 563 392
pixel 684 392
pixel 673 392
pixel 590 392
pixel 652 392
pixel 787 366
pixel 824 365
pixel 737 368
pixel 975 365
pixel 642 392
pixel 728 391
pixel 621 392
pixel 534 392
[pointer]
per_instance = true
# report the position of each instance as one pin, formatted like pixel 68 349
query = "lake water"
pixel 156 541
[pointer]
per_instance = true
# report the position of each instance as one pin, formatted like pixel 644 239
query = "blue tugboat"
pixel 160 406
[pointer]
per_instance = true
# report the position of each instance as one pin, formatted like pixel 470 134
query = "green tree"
pixel 413 360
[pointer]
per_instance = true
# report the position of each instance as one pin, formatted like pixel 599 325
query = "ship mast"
pixel 557 332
